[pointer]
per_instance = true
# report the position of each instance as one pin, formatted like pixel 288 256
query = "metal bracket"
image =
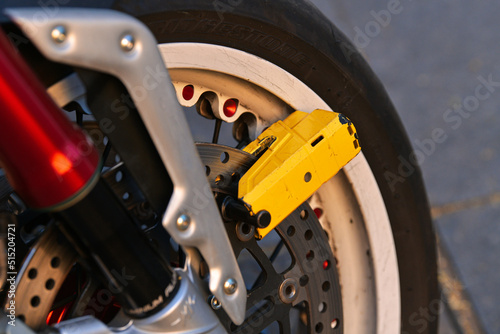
pixel 188 313
pixel 118 44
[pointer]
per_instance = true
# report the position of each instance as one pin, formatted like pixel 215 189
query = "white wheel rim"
pixel 365 249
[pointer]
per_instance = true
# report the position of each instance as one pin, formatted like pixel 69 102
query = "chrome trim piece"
pixel 93 40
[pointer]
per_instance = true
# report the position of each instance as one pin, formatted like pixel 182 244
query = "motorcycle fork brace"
pixel 128 51
pixel 53 166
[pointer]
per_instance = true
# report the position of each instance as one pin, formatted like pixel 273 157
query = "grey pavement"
pixel 432 55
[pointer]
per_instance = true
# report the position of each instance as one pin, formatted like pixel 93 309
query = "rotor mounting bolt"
pixel 183 222
pixel 214 302
pixel 288 290
pixel 230 286
pixel 245 232
pixel 127 43
pixel 58 34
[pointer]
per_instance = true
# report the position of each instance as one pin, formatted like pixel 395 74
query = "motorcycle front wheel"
pixel 280 56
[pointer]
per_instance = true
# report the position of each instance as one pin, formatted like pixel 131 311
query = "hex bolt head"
pixel 230 286
pixel 127 43
pixel 58 34
pixel 183 222
pixel 214 302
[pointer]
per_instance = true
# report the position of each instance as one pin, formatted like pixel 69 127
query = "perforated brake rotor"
pixel 303 297
pixel 43 272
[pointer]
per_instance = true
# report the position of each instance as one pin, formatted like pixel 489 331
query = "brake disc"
pixel 302 296
pixel 41 276
pixel 291 276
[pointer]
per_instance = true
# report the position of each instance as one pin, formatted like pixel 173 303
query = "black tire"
pixel 328 63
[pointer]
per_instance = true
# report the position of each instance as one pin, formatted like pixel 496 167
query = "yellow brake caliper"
pixel 297 156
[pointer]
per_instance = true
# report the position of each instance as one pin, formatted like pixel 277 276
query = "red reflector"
pixel 318 212
pixel 230 107
pixel 188 92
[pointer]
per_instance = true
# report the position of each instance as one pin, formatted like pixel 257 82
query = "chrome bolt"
pixel 183 222
pixel 127 43
pixel 58 34
pixel 230 286
pixel 214 302
pixel 288 290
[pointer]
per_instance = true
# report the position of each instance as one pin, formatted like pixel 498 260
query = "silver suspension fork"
pixel 118 44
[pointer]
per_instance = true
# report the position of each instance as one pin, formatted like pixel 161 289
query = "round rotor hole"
pixel 325 286
pixel 308 235
pixel 304 280
pixel 55 262
pixel 304 214
pixel 322 307
pixel 290 231
pixel 224 157
pixel 35 301
pixel 310 255
pixel 319 327
pixel 118 176
pixel 32 273
pixel 207 170
pixel 334 324
pixel 49 285
pixel 235 177
pixel 219 179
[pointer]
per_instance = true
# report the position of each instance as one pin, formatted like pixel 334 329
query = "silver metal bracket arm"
pixel 118 44
pixel 186 314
